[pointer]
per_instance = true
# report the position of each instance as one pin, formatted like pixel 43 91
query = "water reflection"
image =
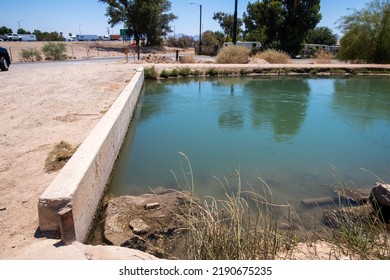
pixel 282 106
pixel 285 130
pixel 362 102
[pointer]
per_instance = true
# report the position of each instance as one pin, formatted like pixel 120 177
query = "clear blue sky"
pixel 88 16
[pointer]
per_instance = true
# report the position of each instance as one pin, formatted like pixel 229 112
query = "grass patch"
pixel 337 71
pixel 323 57
pixel 59 156
pixel 230 229
pixel 196 72
pixel 181 71
pixel 184 71
pixel 150 73
pixel 246 71
pixel 30 55
pixel 212 72
pixel 174 73
pixel 164 74
pixel 274 56
pixel 187 59
pixel 358 232
pixel 233 54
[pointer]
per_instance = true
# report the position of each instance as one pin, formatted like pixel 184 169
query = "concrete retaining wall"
pixel 80 184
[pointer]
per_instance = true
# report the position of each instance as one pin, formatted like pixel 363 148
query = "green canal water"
pixel 295 134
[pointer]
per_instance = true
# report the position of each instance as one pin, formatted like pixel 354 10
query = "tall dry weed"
pixel 233 55
pixel 323 57
pixel 274 56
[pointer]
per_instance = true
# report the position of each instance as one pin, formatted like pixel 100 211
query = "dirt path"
pixel 40 105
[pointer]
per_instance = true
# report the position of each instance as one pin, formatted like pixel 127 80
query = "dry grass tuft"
pixel 59 156
pixel 274 56
pixel 323 57
pixel 233 54
pixel 187 59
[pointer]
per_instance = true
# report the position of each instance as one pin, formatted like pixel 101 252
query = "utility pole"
pixel 235 24
pixel 200 27
pixel 19 21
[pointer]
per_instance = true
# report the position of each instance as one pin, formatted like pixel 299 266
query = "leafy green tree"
pixel 5 30
pixel 299 17
pixel 210 42
pixel 48 36
pixel 321 35
pixel 226 21
pixel 180 42
pixel 22 31
pixel 367 34
pixel 281 23
pixel 148 19
pixel 263 21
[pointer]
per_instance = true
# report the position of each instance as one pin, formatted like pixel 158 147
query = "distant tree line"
pixel 278 24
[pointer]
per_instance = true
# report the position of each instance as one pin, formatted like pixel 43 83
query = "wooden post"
pixel 10 54
pixel 68 233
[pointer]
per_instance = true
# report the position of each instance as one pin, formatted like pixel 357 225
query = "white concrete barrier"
pixel 81 183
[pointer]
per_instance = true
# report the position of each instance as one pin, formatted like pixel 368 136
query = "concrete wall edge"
pixel 82 181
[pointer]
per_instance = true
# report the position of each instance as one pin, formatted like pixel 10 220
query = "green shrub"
pixel 185 71
pixel 212 72
pixel 174 73
pixel 314 71
pixel 150 73
pixel 244 71
pixel 274 56
pixel 233 54
pixel 31 55
pixel 54 51
pixel 337 71
pixel 164 74
pixel 196 72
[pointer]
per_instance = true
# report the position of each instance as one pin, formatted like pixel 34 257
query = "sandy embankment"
pixel 42 104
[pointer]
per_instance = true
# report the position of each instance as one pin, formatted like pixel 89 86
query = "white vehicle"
pixel 28 37
pixel 12 37
pixel 249 45
pixel 86 37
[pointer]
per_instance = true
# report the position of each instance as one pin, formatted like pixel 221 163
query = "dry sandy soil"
pixel 42 104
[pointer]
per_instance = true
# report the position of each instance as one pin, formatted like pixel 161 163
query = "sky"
pixel 88 16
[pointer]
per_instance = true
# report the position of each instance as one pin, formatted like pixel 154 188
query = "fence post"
pixel 10 54
pixel 67 227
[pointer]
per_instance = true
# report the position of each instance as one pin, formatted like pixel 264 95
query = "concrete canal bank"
pixel 69 204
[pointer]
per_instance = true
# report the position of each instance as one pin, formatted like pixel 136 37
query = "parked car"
pixel 5 60
pixel 12 37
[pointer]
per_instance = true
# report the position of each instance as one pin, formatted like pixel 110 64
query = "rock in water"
pixel 152 223
pixel 380 201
